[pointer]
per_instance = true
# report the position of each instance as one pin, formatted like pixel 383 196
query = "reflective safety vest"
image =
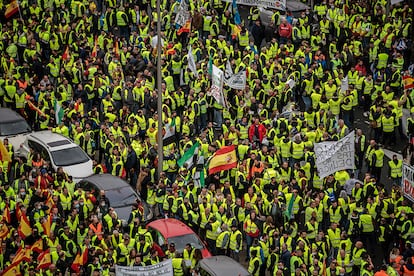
pixel 366 223
pixel 223 240
pixel 380 158
pixel 212 234
pixel 382 61
pixel 177 266
pixel 243 39
pixel 298 150
pixel 396 169
pixel 252 264
pixel 334 237
pixel 388 124
pixel 356 255
pixel 233 240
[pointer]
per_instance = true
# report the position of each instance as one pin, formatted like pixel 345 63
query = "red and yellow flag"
pixel 24 229
pixel 47 225
pixel 23 254
pixel 11 9
pixel 4 154
pixel 66 55
pixel 95 47
pixel 116 48
pixel 223 159
pixel 80 260
pixel 44 260
pixel 408 82
pixel 32 106
pixel 18 212
pixel 6 214
pixel 4 231
pixel 38 246
pixel 12 270
pixel 185 29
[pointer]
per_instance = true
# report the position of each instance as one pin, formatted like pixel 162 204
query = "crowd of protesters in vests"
pixel 97 59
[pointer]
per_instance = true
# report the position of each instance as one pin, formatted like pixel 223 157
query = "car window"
pixel 69 156
pixel 203 272
pixel 40 149
pixel 87 186
pixel 14 128
pixel 181 241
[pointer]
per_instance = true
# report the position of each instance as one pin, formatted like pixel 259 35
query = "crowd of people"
pixel 97 60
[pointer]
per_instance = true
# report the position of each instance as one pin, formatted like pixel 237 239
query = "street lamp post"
pixel 159 103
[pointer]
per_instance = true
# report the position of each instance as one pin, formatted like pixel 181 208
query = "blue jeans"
pixel 218 116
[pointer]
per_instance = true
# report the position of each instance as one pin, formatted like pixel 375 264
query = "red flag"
pixel 11 9
pixel 65 55
pixel 80 260
pixel 6 214
pixel 4 231
pixel 24 229
pixel 44 260
pixel 223 159
pixel 38 246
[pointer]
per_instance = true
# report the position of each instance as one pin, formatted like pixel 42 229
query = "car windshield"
pixel 14 128
pixel 181 241
pixel 121 196
pixel 69 156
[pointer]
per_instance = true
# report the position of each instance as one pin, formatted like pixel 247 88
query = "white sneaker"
pixel 366 113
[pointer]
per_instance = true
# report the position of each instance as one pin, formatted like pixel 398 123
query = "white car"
pixel 60 152
pixel 13 127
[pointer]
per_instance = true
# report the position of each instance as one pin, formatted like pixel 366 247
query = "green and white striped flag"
pixel 59 113
pixel 189 157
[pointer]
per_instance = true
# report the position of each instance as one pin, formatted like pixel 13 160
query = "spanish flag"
pixel 4 231
pixel 12 270
pixel 18 212
pixel 23 254
pixel 185 29
pixel 24 229
pixel 38 246
pixel 80 260
pixel 4 154
pixel 6 214
pixel 11 9
pixel 47 225
pixel 223 159
pixel 32 106
pixel 44 260
pixel 408 82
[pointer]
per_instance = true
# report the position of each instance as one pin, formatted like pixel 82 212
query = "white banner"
pixel 408 181
pixel 335 156
pixel 395 1
pixel 228 72
pixel 164 268
pixel 278 5
pixel 237 81
pixel 191 62
pixel 183 14
pixel 216 90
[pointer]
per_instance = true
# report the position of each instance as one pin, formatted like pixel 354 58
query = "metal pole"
pixel 159 106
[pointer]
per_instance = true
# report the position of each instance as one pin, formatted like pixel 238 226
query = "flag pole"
pixel 159 102
pixel 20 12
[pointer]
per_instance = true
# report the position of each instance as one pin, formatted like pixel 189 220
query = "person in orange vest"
pixel 407 269
pixel 96 227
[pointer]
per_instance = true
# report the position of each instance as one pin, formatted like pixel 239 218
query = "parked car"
pixel 120 194
pixel 60 152
pixel 169 230
pixel 221 265
pixel 13 127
